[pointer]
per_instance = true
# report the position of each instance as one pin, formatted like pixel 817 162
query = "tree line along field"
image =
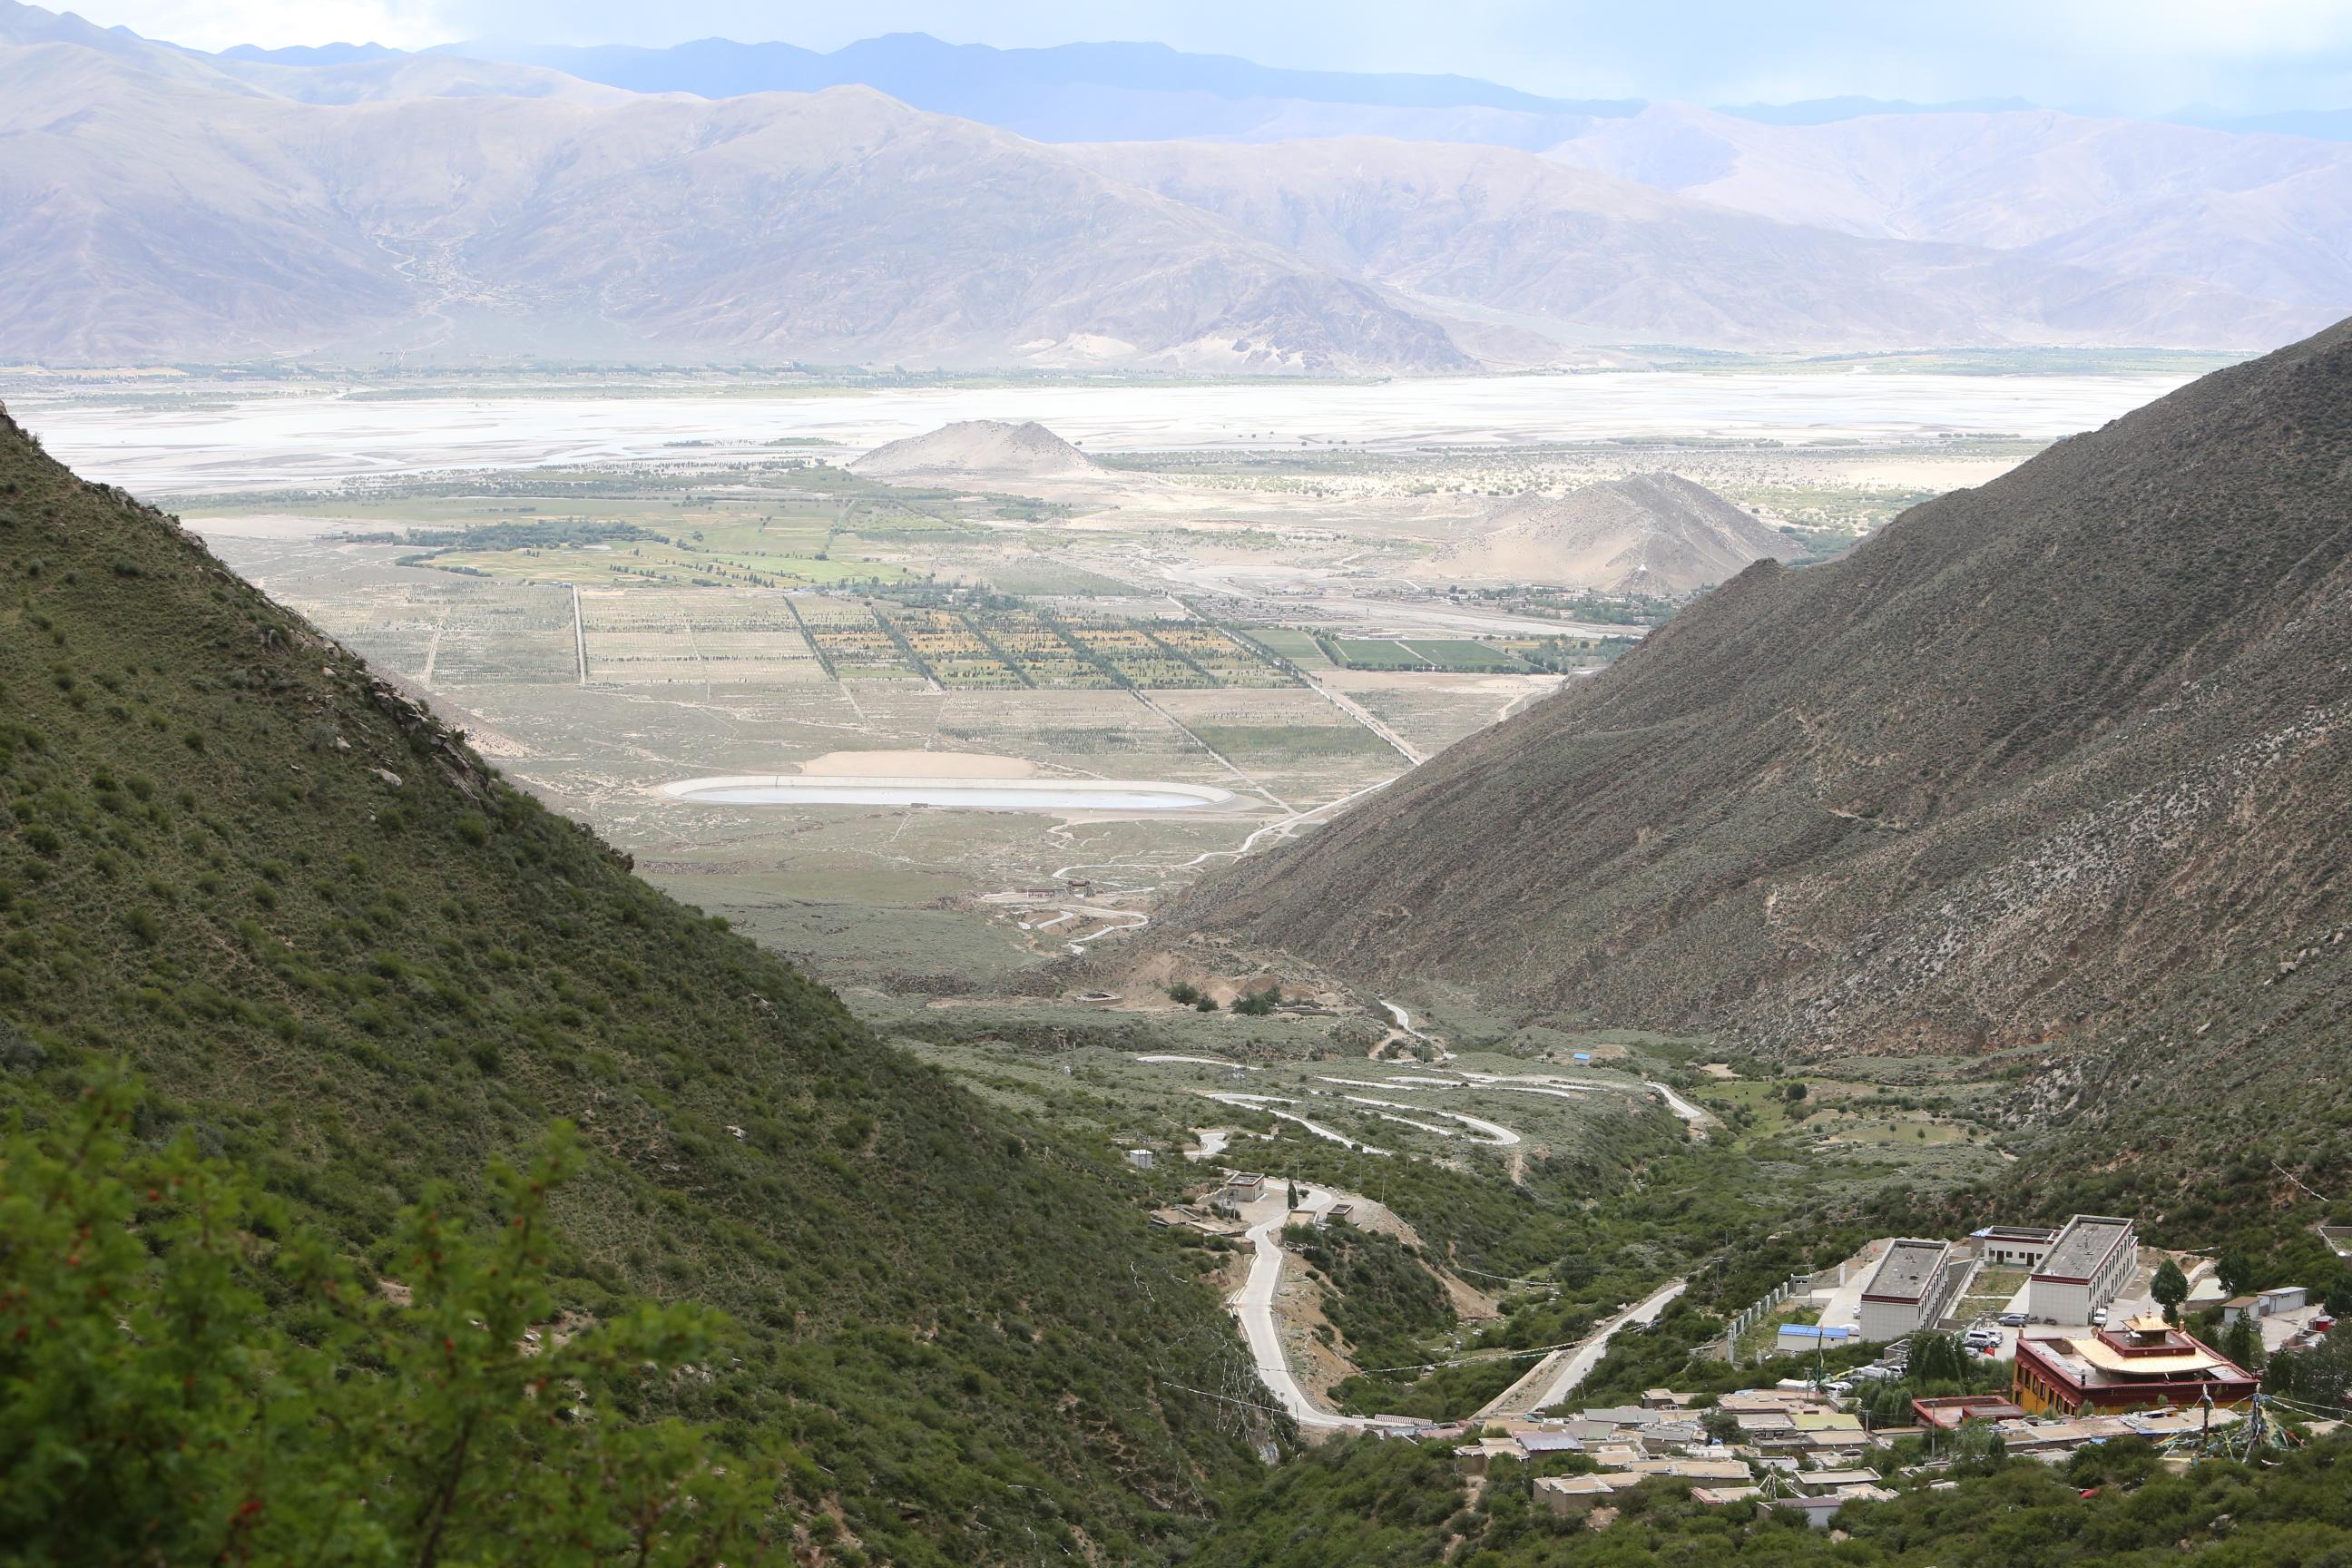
pixel 525 631
pixel 955 647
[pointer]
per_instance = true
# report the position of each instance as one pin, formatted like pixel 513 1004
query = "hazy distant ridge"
pixel 351 203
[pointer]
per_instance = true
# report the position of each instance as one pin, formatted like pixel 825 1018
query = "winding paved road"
pixel 1254 1305
pixel 1555 1377
pixel 1547 1383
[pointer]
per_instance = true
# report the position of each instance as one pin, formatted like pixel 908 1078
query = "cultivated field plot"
pixel 1299 647
pixel 1372 653
pixel 1085 733
pixel 391 627
pixel 645 639
pixel 503 633
pixel 1461 654
pixel 943 647
pixel 1228 661
pixel 1158 655
pixel 1132 656
pixel 465 634
pixel 1290 740
pixel 1433 711
pixel 1043 649
pixel 851 642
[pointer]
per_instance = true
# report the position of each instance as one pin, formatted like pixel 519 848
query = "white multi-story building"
pixel 2090 1264
pixel 1907 1291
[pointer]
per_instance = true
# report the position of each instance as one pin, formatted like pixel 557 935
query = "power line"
pixel 1460 1268
pixel 2298 1180
pixel 1476 1360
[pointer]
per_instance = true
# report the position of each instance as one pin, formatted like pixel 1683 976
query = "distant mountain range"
pixel 352 202
pixel 2052 767
pixel 1087 92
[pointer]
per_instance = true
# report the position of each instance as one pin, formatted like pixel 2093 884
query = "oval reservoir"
pixel 951 793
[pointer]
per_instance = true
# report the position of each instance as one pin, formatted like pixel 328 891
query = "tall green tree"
pixel 2242 1341
pixel 2170 1288
pixel 2235 1269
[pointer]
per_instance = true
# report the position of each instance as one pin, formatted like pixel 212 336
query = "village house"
pixel 2265 1304
pixel 2013 1245
pixel 1243 1187
pixel 1952 1412
pixel 1820 1508
pixel 1567 1496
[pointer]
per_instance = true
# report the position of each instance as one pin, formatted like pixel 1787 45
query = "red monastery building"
pixel 2145 1364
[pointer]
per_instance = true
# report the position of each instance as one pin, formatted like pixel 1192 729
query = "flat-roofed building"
pixel 1907 1291
pixel 1953 1411
pixel 1803 1339
pixel 2265 1303
pixel 1243 1187
pixel 2014 1245
pixel 2145 1364
pixel 1820 1508
pixel 1734 1470
pixel 2088 1265
pixel 1776 1401
pixel 1831 1480
pixel 1566 1494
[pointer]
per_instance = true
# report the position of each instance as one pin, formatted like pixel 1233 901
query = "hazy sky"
pixel 2127 56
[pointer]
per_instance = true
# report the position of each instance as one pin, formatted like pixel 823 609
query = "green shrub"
pixel 153 1409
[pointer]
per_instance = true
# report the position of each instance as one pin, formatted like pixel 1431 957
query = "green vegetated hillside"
pixel 1366 1504
pixel 339 951
pixel 2053 767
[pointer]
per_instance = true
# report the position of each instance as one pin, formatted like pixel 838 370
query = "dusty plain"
pixel 620 585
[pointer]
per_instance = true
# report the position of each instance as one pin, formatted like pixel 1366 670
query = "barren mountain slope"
pixel 1646 533
pixel 2058 762
pixel 980 448
pixel 156 216
pixel 2261 215
pixel 1602 258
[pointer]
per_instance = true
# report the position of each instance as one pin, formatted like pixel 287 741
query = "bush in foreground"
pixel 186 1377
